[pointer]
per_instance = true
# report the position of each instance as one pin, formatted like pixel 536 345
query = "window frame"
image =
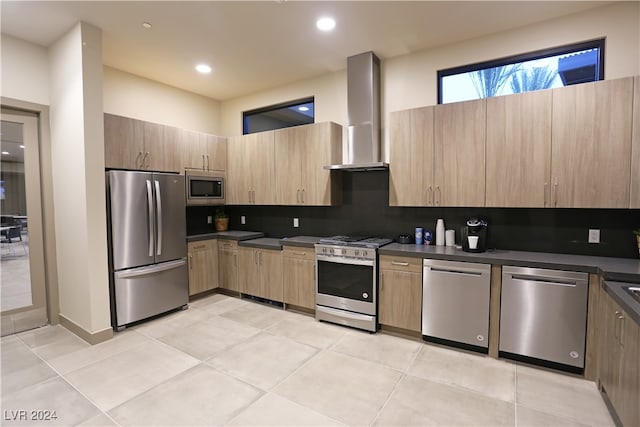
pixel 287 104
pixel 529 56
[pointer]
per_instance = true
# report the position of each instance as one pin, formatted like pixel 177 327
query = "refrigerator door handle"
pixel 143 271
pixel 151 222
pixel 159 221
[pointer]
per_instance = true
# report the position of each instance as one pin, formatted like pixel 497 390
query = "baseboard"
pixel 90 337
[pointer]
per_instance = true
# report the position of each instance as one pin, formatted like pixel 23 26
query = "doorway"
pixel 23 296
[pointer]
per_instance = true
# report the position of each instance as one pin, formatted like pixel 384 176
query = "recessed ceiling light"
pixel 303 108
pixel 203 68
pixel 326 24
pixel 5 152
pixel 22 146
pixel 147 25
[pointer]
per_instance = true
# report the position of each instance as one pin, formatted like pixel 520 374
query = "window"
pixel 562 66
pixel 294 113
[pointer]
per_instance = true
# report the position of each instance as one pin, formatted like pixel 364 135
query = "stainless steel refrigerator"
pixel 147 245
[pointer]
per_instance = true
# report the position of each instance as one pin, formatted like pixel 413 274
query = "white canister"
pixel 440 232
pixel 450 237
pixel 418 235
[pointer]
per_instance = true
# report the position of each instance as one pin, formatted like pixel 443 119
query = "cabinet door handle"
pixel 190 262
pixel 300 253
pixel 555 193
pixel 298 196
pixel 403 264
pixel 249 195
pixel 203 162
pixel 146 156
pixel 303 196
pixel 137 161
pixel 255 258
pixel 429 196
pixel 199 247
pixel 381 282
pixel 208 163
pixel 439 198
pixel 546 187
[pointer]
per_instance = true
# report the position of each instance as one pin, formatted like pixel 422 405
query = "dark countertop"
pixel 622 269
pixel 300 241
pixel 626 301
pixel 262 243
pixel 226 235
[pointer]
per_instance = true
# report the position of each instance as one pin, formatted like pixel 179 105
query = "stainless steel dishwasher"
pixel 543 314
pixel 455 302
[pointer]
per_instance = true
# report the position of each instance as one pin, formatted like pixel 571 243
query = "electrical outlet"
pixel 209 219
pixel 296 222
pixel 594 235
pixel 243 219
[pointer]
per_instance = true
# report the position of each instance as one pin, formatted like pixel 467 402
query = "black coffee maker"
pixel 474 235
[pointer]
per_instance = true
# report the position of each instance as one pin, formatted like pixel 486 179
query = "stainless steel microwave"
pixel 204 188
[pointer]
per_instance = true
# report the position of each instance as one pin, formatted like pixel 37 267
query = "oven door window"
pixel 205 188
pixel 346 280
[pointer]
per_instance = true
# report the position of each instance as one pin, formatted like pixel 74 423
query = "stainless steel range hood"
pixel 363 108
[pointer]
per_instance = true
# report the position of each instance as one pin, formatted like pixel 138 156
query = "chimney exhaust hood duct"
pixel 363 108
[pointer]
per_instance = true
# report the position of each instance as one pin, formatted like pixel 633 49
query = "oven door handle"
pixel 345 260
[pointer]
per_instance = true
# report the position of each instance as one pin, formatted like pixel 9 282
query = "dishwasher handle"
pixel 567 284
pixel 453 271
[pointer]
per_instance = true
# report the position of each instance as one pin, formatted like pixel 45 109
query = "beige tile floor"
pixel 232 362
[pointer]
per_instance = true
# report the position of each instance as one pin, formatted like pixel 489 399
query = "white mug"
pixel 450 237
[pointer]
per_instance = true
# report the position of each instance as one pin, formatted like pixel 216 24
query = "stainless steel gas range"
pixel 347 280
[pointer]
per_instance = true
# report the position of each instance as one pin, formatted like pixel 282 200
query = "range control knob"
pixel 364 253
pixel 344 252
pixel 331 251
pixel 357 252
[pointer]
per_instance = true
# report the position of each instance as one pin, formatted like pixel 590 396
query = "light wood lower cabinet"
pixel 400 296
pixel 203 266
pixel 228 265
pixel 299 276
pixel 260 273
pixel 619 360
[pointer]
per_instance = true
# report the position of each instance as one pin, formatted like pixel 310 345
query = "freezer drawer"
pixel 455 301
pixel 543 314
pixel 147 291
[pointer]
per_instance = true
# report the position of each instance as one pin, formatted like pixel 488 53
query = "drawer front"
pixel 299 253
pixel 389 262
pixel 201 245
pixel 228 245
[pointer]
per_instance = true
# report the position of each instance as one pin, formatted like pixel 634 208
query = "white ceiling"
pixel 256 45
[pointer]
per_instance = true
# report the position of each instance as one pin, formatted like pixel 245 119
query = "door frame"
pixel 52 302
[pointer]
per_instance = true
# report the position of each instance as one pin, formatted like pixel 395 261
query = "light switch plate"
pixel 296 222
pixel 594 235
pixel 243 219
pixel 209 219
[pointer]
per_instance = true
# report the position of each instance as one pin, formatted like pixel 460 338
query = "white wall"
pixel 77 142
pixel 410 81
pixel 132 96
pixel 25 71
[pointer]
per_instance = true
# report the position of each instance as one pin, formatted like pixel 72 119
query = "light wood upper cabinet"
pixel 123 142
pixel 635 148
pixel 301 152
pixel 519 150
pixel 401 292
pixel 203 151
pixel 251 169
pixel 459 160
pixel 591 144
pixel 203 266
pixel 162 147
pixel 411 158
pixel 299 276
pixel 135 144
pixel 260 273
